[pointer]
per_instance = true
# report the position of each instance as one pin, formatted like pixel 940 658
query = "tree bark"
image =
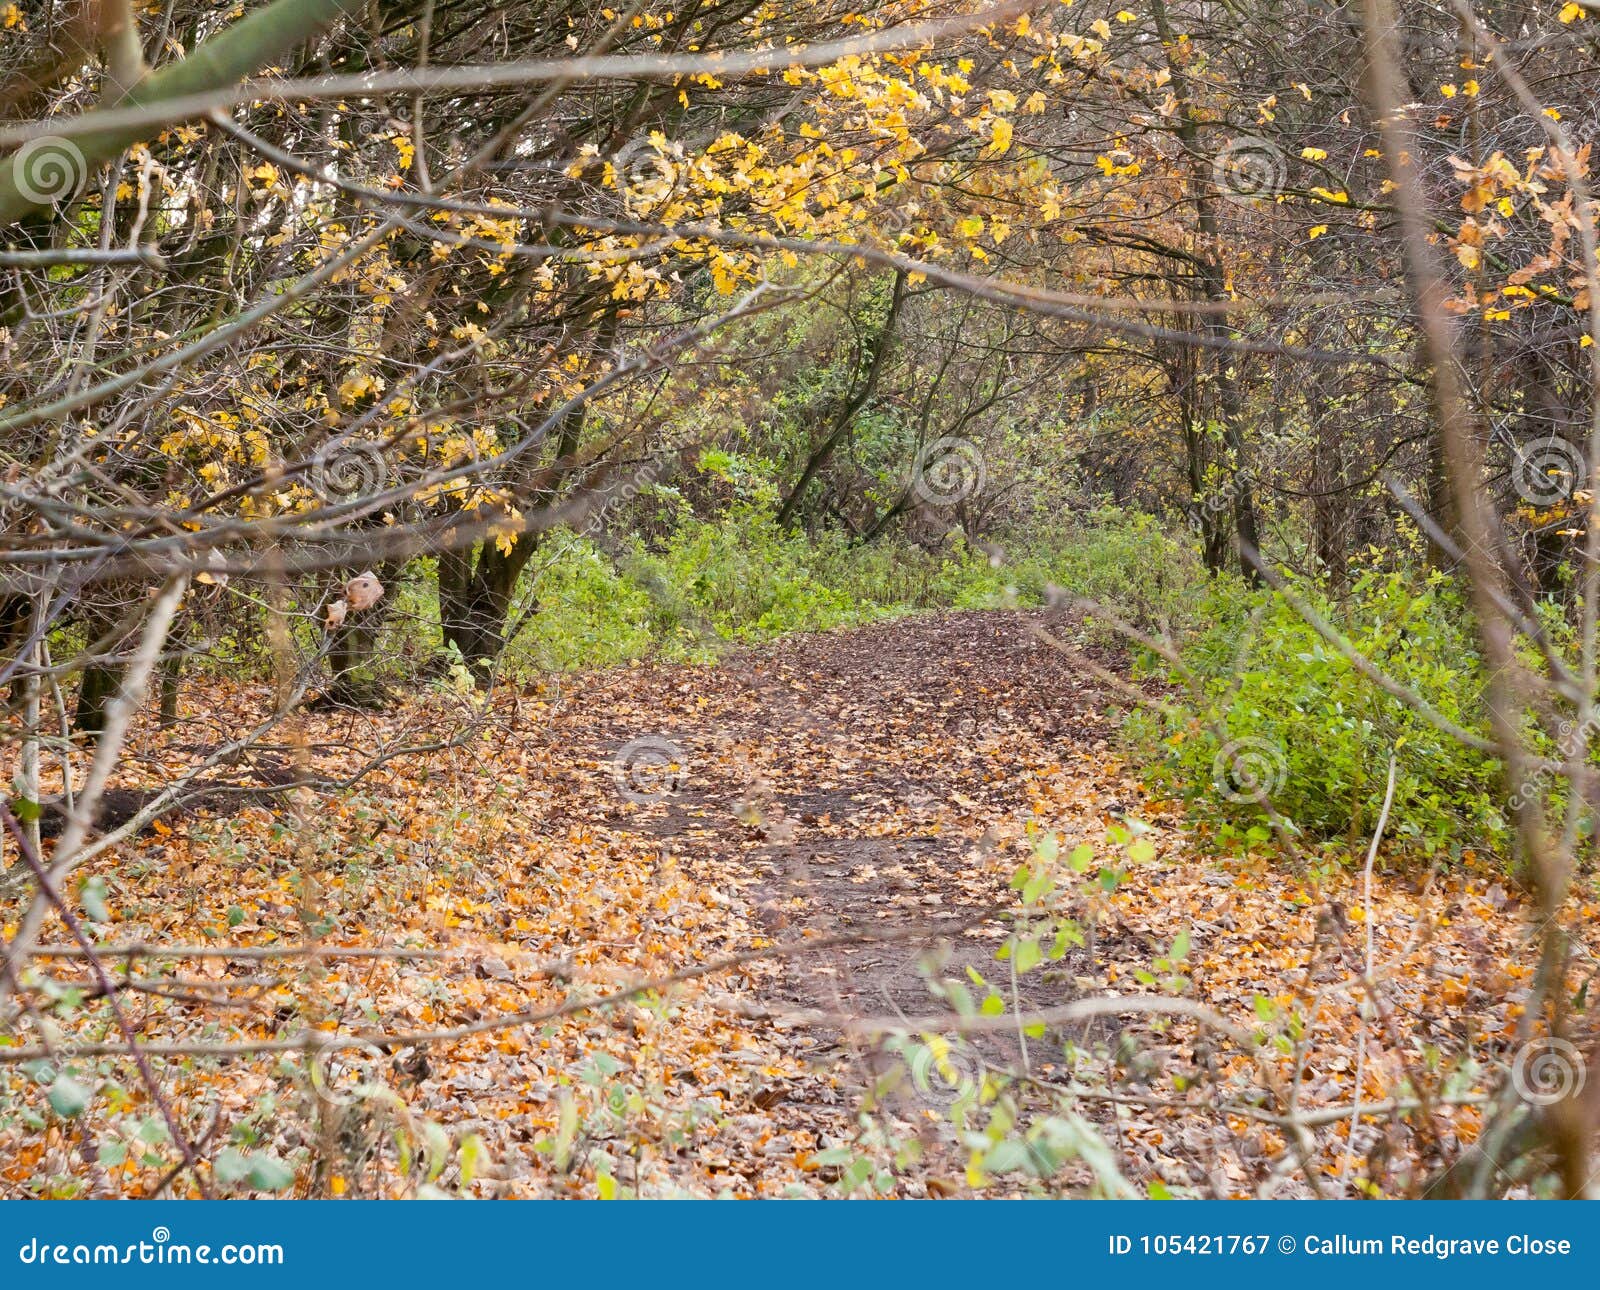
pixel 1212 287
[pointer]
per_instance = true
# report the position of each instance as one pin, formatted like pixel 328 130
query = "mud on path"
pixel 878 783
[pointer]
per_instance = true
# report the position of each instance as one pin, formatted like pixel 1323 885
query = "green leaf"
pixel 1008 1156
pixel 268 1173
pixel 231 1166
pixel 92 892
pixel 67 1097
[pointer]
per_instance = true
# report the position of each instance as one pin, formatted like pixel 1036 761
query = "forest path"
pixel 875 783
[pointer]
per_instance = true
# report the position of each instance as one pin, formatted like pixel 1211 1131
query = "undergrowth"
pixel 744 579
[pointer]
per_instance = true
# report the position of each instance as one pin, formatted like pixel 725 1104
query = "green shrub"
pixel 741 578
pixel 1279 704
pixel 588 616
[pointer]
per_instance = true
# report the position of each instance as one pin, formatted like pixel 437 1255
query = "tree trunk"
pixel 1330 503
pixel 1213 534
pixel 475 590
pixel 171 681
pixel 95 689
pixel 1211 287
pixel 351 650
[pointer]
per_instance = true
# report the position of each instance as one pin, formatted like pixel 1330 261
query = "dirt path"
pixel 878 783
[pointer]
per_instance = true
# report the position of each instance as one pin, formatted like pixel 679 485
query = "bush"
pixel 1296 716
pixel 742 578
pixel 588 616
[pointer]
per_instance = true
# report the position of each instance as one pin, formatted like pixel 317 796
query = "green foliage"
pixel 1123 560
pixel 710 584
pixel 588 615
pixel 741 578
pixel 1270 700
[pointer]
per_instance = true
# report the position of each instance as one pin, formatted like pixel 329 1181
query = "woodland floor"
pixel 882 783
